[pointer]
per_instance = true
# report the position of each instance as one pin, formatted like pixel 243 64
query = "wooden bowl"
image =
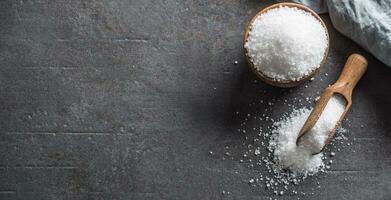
pixel 284 83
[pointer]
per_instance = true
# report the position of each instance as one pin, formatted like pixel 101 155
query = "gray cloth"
pixel 367 22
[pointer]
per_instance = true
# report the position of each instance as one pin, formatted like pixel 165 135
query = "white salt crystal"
pixel 299 159
pixel 286 43
pixel 257 152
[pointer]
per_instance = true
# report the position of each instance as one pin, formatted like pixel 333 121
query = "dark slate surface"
pixel 124 99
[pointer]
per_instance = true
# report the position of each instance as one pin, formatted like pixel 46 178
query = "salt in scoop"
pixel 354 69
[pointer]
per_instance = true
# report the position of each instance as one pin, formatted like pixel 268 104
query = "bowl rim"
pixel 284 83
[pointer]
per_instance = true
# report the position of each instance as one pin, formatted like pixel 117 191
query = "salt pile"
pixel 283 144
pixel 299 159
pixel 286 43
pixel 270 146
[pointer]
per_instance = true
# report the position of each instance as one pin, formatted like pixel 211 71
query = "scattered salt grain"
pixel 257 152
pixel 286 43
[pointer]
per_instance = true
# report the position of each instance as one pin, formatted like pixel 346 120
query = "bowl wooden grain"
pixel 284 83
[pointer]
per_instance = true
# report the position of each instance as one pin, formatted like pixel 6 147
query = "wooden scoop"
pixel 354 69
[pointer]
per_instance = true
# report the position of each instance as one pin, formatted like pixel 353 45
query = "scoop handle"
pixel 354 69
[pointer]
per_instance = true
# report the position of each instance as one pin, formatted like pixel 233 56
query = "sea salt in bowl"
pixel 286 44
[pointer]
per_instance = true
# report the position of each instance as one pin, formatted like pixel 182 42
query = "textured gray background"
pixel 123 99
